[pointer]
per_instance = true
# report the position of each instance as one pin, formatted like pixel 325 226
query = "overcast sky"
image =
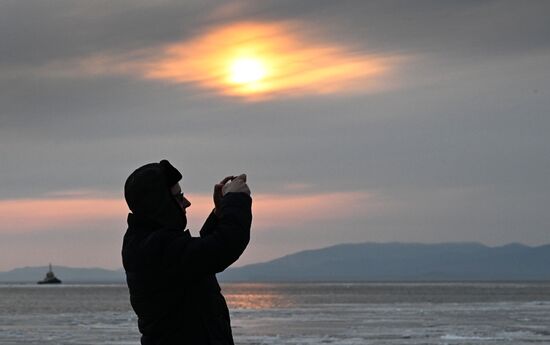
pixel 410 121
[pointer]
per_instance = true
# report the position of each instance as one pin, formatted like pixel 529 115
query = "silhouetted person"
pixel 170 274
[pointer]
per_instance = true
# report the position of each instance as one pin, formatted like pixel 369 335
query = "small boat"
pixel 50 278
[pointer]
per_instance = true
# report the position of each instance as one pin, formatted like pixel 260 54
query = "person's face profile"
pixel 180 198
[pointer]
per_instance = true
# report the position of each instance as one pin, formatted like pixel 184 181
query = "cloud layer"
pixel 405 121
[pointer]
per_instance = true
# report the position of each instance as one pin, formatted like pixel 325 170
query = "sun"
pixel 257 61
pixel 246 71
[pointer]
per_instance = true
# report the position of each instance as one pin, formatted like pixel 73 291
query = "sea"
pixel 296 313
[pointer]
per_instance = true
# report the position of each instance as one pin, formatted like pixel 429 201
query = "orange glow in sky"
pixel 73 225
pixel 270 211
pixel 264 60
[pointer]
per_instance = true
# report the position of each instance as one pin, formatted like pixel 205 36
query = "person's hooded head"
pixel 152 192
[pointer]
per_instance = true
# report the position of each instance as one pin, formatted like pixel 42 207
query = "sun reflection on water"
pixel 255 296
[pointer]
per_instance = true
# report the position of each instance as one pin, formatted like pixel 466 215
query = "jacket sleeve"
pixel 220 245
pixel 209 225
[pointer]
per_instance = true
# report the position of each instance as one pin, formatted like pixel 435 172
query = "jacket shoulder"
pixel 148 249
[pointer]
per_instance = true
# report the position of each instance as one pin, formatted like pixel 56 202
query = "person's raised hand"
pixel 218 191
pixel 237 185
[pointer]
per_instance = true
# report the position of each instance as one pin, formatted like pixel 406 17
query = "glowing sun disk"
pixel 246 71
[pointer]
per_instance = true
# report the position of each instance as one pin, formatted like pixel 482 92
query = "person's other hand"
pixel 218 191
pixel 237 185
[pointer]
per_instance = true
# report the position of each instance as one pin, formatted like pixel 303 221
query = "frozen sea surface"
pixel 312 313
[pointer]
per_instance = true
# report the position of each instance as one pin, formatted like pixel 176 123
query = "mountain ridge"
pixel 397 261
pixel 367 261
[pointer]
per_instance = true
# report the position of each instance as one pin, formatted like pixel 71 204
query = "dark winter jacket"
pixel 170 274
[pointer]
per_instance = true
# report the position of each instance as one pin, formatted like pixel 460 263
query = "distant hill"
pixel 358 262
pixel 66 274
pixel 403 262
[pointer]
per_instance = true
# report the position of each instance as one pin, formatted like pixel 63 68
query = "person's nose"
pixel 186 203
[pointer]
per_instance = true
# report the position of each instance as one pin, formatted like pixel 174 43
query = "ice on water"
pixel 292 314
